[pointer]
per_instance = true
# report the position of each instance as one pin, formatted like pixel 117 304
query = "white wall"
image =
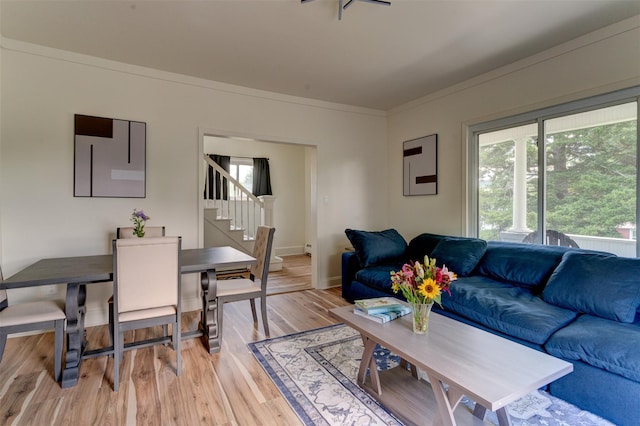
pixel 287 165
pixel 42 90
pixel 603 61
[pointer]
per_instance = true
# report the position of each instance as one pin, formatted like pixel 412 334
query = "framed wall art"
pixel 109 157
pixel 420 169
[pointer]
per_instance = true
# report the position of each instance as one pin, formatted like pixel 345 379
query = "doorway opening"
pixel 293 180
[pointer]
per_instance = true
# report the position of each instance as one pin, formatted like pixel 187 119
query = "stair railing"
pixel 245 210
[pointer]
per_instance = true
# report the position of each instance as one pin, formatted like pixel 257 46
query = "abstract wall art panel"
pixel 420 158
pixel 110 157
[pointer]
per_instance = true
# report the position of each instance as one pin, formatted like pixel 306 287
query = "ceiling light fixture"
pixel 342 5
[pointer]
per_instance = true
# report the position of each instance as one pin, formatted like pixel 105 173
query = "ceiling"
pixel 376 56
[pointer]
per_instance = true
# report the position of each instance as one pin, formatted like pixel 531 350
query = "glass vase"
pixel 420 315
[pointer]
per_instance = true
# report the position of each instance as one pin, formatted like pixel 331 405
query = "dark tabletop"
pixel 99 268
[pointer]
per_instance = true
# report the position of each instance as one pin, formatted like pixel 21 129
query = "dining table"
pixel 79 271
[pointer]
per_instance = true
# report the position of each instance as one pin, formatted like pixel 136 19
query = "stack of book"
pixel 381 309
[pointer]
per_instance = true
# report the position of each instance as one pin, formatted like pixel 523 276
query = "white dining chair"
pixel 146 277
pixel 33 316
pixel 251 288
pixel 127 232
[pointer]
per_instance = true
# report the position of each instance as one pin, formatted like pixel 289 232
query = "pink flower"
pixel 446 272
pixel 407 270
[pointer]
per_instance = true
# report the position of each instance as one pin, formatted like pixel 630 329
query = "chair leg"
pixel 59 342
pixel 263 309
pixel 3 343
pixel 176 346
pixel 253 310
pixel 111 340
pixel 116 361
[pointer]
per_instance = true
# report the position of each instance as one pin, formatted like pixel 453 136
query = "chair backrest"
pixel 146 273
pixel 149 231
pixel 554 238
pixel 262 253
pixel 4 302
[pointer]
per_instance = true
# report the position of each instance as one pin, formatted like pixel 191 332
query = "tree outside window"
pixel 590 175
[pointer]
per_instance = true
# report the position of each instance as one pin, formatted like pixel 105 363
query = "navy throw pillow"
pixel 376 247
pixel 460 255
pixel 422 245
pixel 603 285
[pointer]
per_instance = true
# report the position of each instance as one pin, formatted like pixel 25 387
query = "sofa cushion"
pixel 460 255
pixel 375 247
pixel 505 308
pixel 378 276
pixel 423 245
pixel 525 265
pixel 599 342
pixel 598 284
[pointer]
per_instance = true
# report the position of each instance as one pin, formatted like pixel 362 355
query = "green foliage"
pixel 590 178
pixel 496 189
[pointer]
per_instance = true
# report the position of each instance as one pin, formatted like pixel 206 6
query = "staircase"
pixel 232 214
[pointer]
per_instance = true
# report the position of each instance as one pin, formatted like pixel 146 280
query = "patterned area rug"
pixel 316 372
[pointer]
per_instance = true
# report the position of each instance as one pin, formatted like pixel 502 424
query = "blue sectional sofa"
pixel 579 305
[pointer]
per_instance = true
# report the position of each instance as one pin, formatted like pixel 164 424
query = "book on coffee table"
pixel 383 317
pixel 379 304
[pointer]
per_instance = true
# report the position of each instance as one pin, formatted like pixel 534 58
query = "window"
pixel 241 169
pixel 568 172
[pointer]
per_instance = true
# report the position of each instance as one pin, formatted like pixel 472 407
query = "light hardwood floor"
pixel 295 275
pixel 228 388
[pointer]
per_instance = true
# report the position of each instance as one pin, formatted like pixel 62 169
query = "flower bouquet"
pixel 139 219
pixel 422 284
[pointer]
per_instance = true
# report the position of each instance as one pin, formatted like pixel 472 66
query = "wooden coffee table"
pixel 458 360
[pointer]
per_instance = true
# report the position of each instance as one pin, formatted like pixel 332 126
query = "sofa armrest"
pixel 350 266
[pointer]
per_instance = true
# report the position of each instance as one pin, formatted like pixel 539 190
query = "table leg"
pixel 414 370
pixel 479 411
pixel 447 400
pixel 503 418
pixel 76 336
pixel 209 315
pixel 368 362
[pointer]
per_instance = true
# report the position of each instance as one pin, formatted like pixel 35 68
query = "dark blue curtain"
pixel 220 184
pixel 261 177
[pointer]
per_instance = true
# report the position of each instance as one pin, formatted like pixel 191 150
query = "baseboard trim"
pixel 289 251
